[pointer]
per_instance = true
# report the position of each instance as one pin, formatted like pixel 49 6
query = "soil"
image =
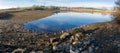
pixel 93 38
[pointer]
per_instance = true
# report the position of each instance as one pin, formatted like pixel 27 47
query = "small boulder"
pixel 76 43
pixel 19 50
pixel 55 43
pixel 64 35
pixel 52 40
pixel 1 30
pixel 79 35
pixel 54 48
pixel 72 38
pixel 32 52
pixel 16 26
pixel 39 52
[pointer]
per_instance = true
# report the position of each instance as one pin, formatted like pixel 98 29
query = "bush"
pixel 33 8
pixel 117 13
pixel 3 14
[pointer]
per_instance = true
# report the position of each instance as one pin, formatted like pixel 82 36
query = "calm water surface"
pixel 65 20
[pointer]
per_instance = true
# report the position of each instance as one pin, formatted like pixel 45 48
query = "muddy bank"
pixel 25 16
pixel 93 38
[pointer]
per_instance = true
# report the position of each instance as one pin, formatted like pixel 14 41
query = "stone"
pixel 64 35
pixel 118 45
pixel 54 48
pixel 72 38
pixel 52 40
pixel 76 38
pixel 55 43
pixel 85 51
pixel 71 51
pixel 77 30
pixel 91 50
pixel 86 42
pixel 16 26
pixel 1 30
pixel 79 35
pixel 32 52
pixel 76 43
pixel 19 50
pixel 39 52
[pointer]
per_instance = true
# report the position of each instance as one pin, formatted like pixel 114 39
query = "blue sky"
pixel 69 3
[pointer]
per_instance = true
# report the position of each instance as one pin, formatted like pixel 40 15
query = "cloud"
pixel 15 3
pixel 91 4
pixel 4 5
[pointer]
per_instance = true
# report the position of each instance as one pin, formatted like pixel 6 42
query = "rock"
pixel 32 52
pixel 85 51
pixel 39 52
pixel 74 49
pixel 79 35
pixel 71 51
pixel 72 38
pixel 54 48
pixel 77 30
pixel 62 31
pixel 64 35
pixel 16 26
pixel 91 50
pixel 86 42
pixel 76 43
pixel 19 50
pixel 52 40
pixel 118 45
pixel 1 30
pixel 55 43
pixel 76 37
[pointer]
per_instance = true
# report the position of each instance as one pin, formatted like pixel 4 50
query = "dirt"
pixel 93 38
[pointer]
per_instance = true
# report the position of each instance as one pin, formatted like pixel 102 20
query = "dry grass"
pixel 89 10
pixel 29 15
pixel 25 16
pixel 3 14
pixel 117 15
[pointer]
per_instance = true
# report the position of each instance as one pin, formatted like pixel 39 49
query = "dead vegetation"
pixel 117 13
pixel 23 16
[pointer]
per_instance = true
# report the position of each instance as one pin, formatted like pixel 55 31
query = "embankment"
pixel 22 16
pixel 88 10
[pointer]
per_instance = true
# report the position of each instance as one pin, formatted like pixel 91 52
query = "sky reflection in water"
pixel 65 20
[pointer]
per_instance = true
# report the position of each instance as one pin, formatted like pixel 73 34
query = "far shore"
pixel 89 10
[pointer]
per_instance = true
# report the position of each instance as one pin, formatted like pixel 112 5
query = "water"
pixel 65 20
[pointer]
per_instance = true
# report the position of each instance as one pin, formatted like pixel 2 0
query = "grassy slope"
pixel 24 16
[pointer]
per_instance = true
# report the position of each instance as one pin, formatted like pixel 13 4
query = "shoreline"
pixel 89 10
pixel 24 16
pixel 14 38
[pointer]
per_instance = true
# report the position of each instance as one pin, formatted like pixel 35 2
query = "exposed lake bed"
pixel 84 38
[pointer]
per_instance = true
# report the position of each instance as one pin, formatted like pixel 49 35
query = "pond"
pixel 65 20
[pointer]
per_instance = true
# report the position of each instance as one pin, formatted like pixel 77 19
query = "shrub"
pixel 117 13
pixel 3 14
